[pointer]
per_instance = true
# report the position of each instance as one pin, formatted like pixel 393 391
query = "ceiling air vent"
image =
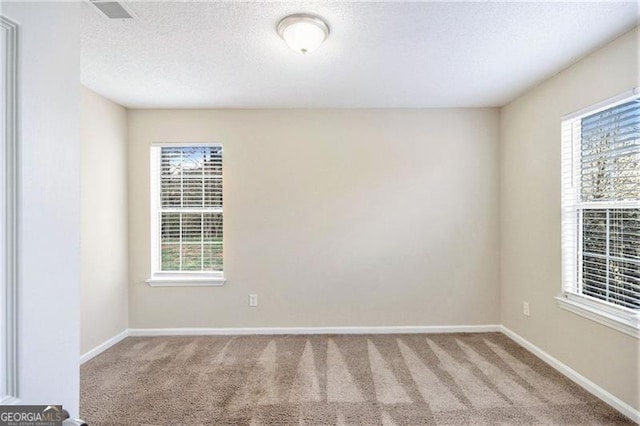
pixel 112 9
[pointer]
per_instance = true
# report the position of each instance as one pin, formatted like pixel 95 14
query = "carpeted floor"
pixel 331 380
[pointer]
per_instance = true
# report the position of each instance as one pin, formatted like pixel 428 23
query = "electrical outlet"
pixel 253 300
pixel 525 308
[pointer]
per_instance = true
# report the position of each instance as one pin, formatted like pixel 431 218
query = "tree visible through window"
pixel 188 213
pixel 602 192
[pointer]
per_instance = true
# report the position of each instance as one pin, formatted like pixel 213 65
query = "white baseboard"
pixel 576 377
pixel 285 330
pixel 103 346
pixel 312 330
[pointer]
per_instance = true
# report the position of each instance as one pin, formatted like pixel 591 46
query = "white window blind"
pixel 187 209
pixel 601 205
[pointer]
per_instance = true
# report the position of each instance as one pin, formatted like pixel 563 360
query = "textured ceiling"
pixel 379 54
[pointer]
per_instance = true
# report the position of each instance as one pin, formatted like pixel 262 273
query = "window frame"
pixel 620 318
pixel 159 278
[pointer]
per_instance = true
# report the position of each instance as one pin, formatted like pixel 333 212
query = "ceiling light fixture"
pixel 302 32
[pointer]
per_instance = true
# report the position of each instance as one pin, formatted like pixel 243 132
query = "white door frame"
pixel 9 214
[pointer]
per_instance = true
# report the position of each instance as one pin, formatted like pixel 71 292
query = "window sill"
pixel 186 280
pixel 620 320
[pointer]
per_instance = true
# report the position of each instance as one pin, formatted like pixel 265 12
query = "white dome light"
pixel 303 33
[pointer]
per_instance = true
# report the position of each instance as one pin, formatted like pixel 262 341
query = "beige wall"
pixel 104 294
pixel 530 220
pixel 334 218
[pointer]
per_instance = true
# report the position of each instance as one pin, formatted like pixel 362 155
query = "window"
pixel 601 212
pixel 186 214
